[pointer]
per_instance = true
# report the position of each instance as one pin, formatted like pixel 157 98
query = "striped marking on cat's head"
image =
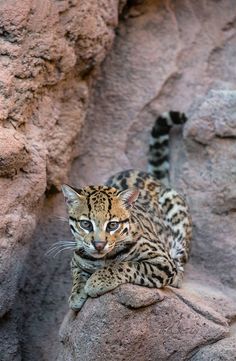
pixel 99 217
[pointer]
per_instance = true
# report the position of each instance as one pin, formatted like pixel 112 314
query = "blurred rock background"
pixel 81 83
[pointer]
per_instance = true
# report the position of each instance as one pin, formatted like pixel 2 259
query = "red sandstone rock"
pixel 13 152
pixel 49 53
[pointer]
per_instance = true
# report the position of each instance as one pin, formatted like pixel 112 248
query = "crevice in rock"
pixel 193 352
pixel 232 325
pixel 216 318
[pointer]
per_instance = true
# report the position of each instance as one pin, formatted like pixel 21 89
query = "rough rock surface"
pixel 223 350
pixel 49 54
pixel 210 145
pixel 130 324
pixel 166 55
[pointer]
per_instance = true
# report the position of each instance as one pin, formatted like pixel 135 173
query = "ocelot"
pixel 133 229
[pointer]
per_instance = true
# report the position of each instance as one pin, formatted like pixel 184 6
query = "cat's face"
pixel 99 217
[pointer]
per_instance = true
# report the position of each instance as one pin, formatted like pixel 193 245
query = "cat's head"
pixel 99 217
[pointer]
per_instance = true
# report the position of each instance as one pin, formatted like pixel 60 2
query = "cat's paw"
pixel 178 280
pixel 96 287
pixel 77 300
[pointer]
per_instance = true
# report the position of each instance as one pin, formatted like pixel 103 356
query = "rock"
pixel 129 297
pixel 209 175
pixel 223 350
pixel 13 152
pixel 166 327
pixel 50 52
pixel 214 117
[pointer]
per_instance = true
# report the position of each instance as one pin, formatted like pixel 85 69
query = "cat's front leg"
pixel 153 273
pixel 78 295
pixel 107 278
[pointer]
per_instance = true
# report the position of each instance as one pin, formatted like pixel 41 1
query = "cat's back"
pixel 149 186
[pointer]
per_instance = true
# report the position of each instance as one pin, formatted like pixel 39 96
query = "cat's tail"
pixel 158 156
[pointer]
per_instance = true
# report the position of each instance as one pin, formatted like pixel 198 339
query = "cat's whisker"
pixel 51 250
pixel 61 246
pixel 60 242
pixel 56 247
pixel 54 251
pixel 64 249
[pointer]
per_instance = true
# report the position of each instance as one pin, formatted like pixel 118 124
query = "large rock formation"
pixel 132 324
pixel 166 55
pixel 50 51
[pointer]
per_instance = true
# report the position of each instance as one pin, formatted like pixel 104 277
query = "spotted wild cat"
pixel 134 229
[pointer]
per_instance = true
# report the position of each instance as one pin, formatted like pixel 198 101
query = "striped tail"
pixel 158 157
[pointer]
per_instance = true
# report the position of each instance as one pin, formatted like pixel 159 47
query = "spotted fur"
pixel 131 230
pixel 158 157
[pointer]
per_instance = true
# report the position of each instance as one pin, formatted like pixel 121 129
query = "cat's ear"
pixel 129 196
pixel 71 195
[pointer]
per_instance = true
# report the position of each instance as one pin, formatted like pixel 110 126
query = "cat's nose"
pixel 99 245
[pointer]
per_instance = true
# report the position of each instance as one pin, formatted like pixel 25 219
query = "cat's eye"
pixel 112 226
pixel 85 224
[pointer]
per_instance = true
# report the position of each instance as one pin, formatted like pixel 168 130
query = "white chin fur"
pixel 98 255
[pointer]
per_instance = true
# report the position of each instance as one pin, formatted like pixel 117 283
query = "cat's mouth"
pixel 90 254
pixel 99 253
